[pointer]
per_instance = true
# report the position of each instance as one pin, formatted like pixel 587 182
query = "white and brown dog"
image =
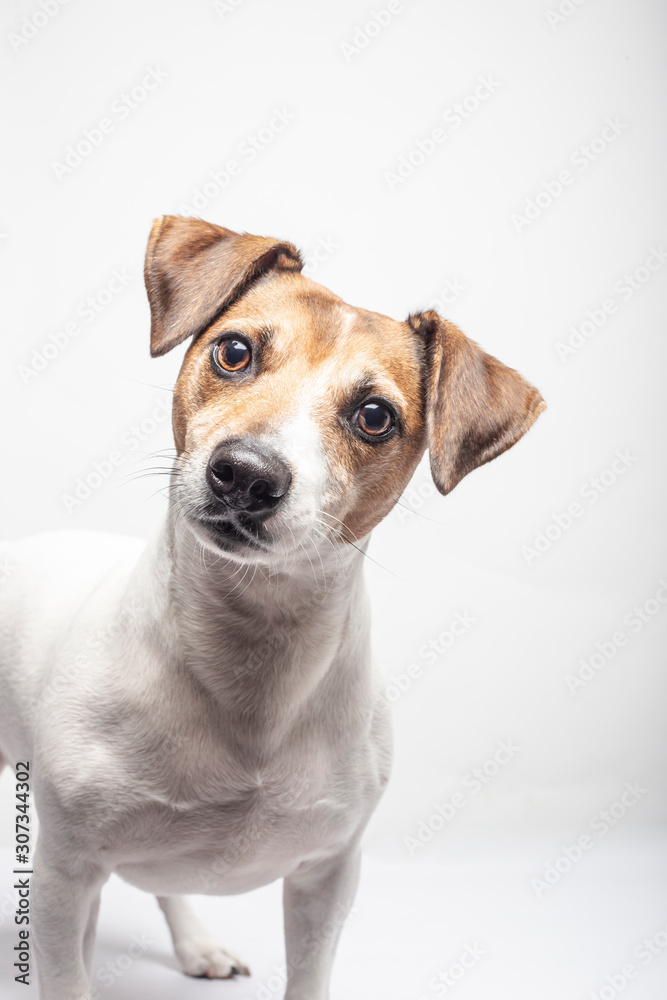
pixel 201 714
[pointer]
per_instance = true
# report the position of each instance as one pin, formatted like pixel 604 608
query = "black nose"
pixel 248 477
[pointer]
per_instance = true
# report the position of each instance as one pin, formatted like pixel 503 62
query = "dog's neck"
pixel 269 645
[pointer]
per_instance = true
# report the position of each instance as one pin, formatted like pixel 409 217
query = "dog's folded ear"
pixel 195 270
pixel 476 407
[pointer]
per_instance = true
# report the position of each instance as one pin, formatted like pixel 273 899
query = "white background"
pixel 457 222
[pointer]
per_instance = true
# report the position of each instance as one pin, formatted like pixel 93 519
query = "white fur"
pixel 195 725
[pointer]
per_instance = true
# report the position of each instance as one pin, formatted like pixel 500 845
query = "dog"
pixel 200 713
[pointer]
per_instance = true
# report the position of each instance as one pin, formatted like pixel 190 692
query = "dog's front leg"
pixel 64 912
pixel 317 898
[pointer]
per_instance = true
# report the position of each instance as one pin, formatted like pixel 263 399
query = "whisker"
pixel 347 528
pixel 151 385
pixel 323 534
pixel 336 552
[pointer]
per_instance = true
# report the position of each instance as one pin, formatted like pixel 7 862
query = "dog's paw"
pixel 205 958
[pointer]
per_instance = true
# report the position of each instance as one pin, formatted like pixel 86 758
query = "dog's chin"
pixel 274 546
pixel 242 539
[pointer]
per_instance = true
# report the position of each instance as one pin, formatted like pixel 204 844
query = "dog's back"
pixel 45 580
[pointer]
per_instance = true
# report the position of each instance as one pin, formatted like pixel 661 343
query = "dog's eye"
pixel 232 355
pixel 374 419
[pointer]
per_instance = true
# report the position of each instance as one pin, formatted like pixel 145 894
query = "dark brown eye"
pixel 232 355
pixel 374 419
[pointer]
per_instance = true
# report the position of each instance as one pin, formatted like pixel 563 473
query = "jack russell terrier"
pixel 201 714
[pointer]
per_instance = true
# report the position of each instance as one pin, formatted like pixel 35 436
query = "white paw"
pixel 204 957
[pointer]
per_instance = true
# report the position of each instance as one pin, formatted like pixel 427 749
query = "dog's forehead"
pixel 301 315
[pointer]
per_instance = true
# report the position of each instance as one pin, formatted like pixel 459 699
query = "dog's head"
pixel 298 417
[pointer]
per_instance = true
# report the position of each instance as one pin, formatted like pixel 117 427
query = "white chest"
pixel 244 840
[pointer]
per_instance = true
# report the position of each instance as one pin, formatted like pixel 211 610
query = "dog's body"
pixel 201 713
pixel 153 771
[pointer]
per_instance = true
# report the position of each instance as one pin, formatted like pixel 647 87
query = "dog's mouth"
pixel 235 532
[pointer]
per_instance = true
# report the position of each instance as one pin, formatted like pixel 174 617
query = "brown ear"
pixel 195 270
pixel 476 407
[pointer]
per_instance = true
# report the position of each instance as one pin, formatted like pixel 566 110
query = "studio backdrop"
pixel 503 163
